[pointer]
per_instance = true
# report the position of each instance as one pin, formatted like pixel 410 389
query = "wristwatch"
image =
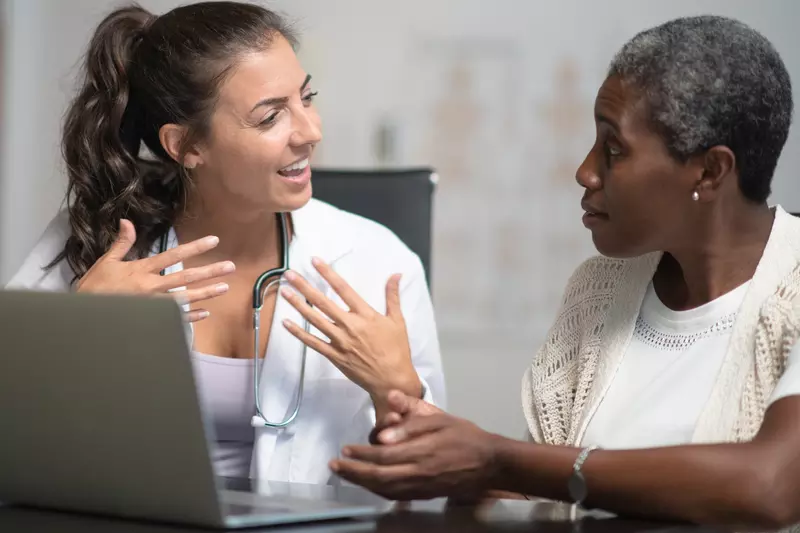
pixel 577 483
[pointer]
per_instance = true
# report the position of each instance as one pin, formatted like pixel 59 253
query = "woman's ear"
pixel 719 168
pixel 172 138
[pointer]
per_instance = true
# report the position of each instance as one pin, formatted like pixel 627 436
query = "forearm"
pixel 714 484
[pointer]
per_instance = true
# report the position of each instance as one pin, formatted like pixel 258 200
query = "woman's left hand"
pixel 370 348
pixel 424 457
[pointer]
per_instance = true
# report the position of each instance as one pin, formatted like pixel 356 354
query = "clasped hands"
pixel 418 451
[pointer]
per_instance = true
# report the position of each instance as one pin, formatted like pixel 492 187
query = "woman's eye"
pixel 309 97
pixel 269 120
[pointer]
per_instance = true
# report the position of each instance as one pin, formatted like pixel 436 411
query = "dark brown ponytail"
pixel 141 72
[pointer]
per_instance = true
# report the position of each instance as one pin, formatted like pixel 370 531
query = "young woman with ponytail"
pixel 198 125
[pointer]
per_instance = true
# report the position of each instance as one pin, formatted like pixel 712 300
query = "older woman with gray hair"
pixel 669 385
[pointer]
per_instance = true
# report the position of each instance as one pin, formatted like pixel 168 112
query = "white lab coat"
pixel 335 411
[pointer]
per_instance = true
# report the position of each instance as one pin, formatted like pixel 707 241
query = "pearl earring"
pixel 695 196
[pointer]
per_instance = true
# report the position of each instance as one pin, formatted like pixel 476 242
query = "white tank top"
pixel 225 388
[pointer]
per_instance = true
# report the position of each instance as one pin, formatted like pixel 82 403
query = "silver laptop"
pixel 99 413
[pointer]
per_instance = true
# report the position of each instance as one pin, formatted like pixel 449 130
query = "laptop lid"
pixel 99 409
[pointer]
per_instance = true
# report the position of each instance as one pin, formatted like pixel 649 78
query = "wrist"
pixel 409 385
pixel 498 453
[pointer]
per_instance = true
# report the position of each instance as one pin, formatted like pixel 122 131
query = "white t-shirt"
pixel 668 372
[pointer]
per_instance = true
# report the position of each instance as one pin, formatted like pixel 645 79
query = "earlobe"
pixel 192 159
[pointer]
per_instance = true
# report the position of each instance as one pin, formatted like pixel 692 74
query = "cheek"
pixel 250 151
pixel 643 190
pixel 641 204
pixel 269 148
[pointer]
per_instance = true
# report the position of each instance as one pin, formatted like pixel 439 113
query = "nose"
pixel 587 175
pixel 307 128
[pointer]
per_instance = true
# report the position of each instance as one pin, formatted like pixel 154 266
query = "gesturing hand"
pixel 113 274
pixel 370 348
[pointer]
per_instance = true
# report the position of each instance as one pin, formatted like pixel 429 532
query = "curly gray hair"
pixel 710 81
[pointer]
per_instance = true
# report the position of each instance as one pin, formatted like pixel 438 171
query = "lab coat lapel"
pixel 280 372
pixel 279 379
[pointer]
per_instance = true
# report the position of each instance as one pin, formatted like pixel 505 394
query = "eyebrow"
pixel 599 117
pixel 282 99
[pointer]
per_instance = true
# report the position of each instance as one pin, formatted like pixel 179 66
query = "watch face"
pixel 577 487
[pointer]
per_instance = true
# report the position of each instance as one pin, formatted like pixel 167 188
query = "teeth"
pixel 300 165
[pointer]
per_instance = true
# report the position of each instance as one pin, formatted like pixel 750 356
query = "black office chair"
pixel 401 200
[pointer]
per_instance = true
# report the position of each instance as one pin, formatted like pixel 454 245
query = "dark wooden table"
pixel 422 517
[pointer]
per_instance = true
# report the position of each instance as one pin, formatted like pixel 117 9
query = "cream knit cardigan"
pixel 573 370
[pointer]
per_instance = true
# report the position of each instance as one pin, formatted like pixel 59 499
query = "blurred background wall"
pixel 497 95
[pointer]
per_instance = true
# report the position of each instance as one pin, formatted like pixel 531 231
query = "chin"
pixel 296 200
pixel 614 249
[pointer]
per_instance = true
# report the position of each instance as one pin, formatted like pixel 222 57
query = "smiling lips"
pixel 295 169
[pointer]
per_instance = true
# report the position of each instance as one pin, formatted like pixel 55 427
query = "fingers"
pixel 341 287
pixel 393 309
pixel 196 315
pixel 195 275
pixel 402 403
pixel 413 427
pixel 197 295
pixel 181 253
pixel 313 316
pixel 389 420
pixel 412 451
pixel 371 476
pixel 124 242
pixel 316 344
pixel 312 295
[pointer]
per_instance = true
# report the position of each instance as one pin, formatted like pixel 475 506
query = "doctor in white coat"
pixel 216 96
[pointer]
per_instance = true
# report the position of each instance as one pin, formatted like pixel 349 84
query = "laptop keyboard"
pixel 239 502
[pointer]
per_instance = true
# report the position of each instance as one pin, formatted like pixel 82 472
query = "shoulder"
pixel 34 272
pixel 358 238
pixel 784 237
pixel 337 223
pixel 781 309
pixel 783 304
pixel 600 275
pixel 602 295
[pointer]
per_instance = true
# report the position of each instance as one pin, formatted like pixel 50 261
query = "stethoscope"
pixel 264 282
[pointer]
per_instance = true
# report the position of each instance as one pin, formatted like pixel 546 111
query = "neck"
pixel 247 234
pixel 729 251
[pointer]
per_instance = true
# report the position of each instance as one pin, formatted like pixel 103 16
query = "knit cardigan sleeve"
pixel 777 331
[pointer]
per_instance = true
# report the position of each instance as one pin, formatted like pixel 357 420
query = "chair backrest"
pixel 401 200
